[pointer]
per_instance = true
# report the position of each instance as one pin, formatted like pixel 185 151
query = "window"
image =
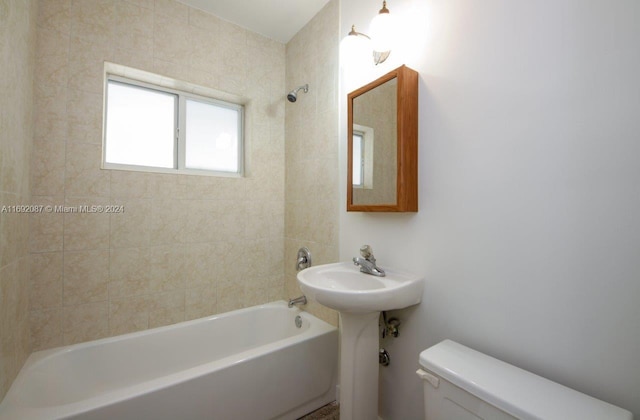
pixel 358 158
pixel 153 128
pixel 362 176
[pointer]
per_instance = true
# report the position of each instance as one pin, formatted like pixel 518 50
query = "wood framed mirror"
pixel 382 163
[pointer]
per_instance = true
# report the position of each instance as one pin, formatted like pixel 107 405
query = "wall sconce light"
pixel 381 36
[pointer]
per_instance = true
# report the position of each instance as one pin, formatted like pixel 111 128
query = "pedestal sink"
pixel 359 298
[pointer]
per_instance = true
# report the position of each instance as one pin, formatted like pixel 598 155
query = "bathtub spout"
pixel 302 300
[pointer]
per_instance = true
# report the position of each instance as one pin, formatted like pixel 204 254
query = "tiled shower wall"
pixel 312 201
pixel 186 246
pixel 17 52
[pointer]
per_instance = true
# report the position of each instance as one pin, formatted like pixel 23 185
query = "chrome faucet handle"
pixel 304 259
pixel 367 253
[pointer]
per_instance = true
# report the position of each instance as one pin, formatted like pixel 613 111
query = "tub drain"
pixel 298 321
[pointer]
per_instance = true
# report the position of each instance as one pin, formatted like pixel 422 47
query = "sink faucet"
pixel 367 263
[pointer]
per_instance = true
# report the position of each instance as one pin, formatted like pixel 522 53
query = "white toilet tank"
pixel 463 384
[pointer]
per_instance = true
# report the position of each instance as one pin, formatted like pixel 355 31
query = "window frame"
pixel 366 135
pixel 360 168
pixel 180 134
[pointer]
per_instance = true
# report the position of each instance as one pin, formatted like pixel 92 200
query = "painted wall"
pixel 311 148
pixel 17 55
pixel 186 246
pixel 528 231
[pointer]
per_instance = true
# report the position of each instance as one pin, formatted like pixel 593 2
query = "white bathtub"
pixel 251 363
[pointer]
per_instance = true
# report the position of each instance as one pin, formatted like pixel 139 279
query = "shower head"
pixel 293 95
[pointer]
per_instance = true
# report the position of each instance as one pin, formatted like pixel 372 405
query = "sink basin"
pixel 341 286
pixel 359 298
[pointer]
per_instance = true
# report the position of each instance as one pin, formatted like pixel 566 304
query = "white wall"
pixel 528 231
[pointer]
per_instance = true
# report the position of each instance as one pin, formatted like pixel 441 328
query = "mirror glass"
pixel 382 144
pixel 375 145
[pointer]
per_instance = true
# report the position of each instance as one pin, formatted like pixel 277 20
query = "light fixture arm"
pixel 356 33
pixel 378 56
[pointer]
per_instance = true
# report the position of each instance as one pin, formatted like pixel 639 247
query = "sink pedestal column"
pixel 359 348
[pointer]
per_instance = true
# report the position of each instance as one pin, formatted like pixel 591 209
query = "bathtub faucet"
pixel 367 263
pixel 302 300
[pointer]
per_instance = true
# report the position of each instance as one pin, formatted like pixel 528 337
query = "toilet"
pixel 463 384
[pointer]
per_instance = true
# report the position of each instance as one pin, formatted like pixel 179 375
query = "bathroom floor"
pixel 330 411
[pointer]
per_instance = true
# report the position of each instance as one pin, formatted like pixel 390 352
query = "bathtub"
pixel 253 363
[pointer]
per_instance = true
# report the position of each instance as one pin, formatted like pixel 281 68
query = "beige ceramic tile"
pixel 171 38
pixel 8 315
pixel 168 221
pixel 326 314
pixel 8 367
pixel 171 69
pixel 52 59
pixel 55 15
pixel 201 222
pixel 204 20
pixel 172 8
pixel 94 21
pixel 85 322
pixel 83 176
pixel 129 273
pixel 166 268
pixel 85 115
pixel 51 116
pixel 147 4
pixel 128 315
pixel 311 217
pixel 86 63
pixel 86 231
pixel 142 60
pixel 169 186
pixel 200 302
pixel 46 228
pixel 326 186
pixel 47 167
pixel 133 27
pixel 271 257
pixel 166 308
pixel 46 329
pixel 131 184
pixel 23 340
pixel 199 266
pixel 8 230
pixel 46 280
pixel 86 277
pixel 255 294
pixel 203 51
pixel 230 296
pixel 230 262
pixel 132 227
pixel 327 232
pixel 10 160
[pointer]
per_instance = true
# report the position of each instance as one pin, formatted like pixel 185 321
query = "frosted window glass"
pixel 140 126
pixel 357 160
pixel 211 137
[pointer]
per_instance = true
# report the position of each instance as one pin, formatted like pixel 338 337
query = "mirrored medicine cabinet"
pixel 382 172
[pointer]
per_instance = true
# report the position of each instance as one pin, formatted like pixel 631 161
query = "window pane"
pixel 357 159
pixel 212 137
pixel 140 126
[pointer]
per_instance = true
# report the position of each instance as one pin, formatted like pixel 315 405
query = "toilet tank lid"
pixel 511 389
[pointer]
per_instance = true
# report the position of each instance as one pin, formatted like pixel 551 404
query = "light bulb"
pixel 355 48
pixel 382 30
